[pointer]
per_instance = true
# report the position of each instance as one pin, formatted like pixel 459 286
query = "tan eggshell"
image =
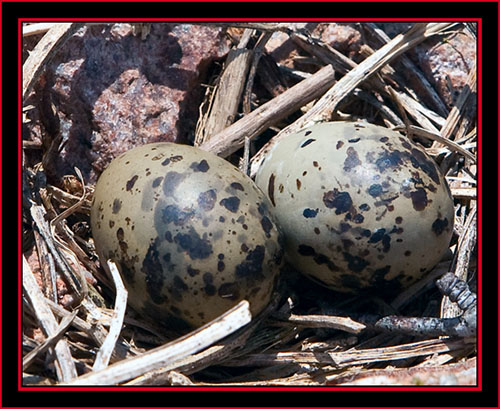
pixel 192 235
pixel 360 206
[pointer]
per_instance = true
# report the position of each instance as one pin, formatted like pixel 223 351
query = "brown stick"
pixel 233 137
pixel 228 92
pixel 324 108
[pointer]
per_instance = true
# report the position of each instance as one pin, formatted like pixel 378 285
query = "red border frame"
pixel 284 388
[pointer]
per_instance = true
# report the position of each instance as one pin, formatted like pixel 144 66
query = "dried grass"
pixel 101 345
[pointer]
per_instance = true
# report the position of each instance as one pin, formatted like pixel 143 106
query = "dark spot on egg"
pixel 310 213
pixel 231 203
pixel 419 199
pixel 157 181
pixel 179 284
pixel 201 166
pixel 209 286
pixel 399 220
pixel 229 291
pixel 195 246
pixel 309 141
pixel 375 190
pixel 192 271
pixel 346 243
pixel 111 224
pixel 306 250
pixel 427 165
pixel 364 207
pixel 407 253
pixel 380 273
pixel 299 184
pixel 117 205
pixel 252 265
pixel 172 214
pixel 380 235
pixel 120 234
pixel 322 259
pixel 207 200
pixel 267 225
pixel 237 186
pixel 344 227
pixel 308 133
pixel 339 145
pixel 355 263
pixel 353 140
pixel 270 188
pixel 130 184
pixel 388 160
pixel 171 182
pixel 404 142
pixel 164 319
pixel 439 226
pixel 352 159
pixel 220 266
pixel 152 268
pixel 358 218
pixel 350 281
pixel 341 201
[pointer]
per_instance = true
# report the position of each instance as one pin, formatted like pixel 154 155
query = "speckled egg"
pixel 361 206
pixel 191 234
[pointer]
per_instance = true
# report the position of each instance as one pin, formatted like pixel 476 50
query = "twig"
pixel 466 243
pixel 65 368
pixel 343 65
pixel 444 141
pixel 43 52
pixel 353 357
pixel 213 355
pixel 326 105
pixel 257 53
pixel 323 321
pixel 233 137
pixel 50 341
pixel 37 28
pixel 410 66
pixel 104 354
pixel 458 111
pixel 191 343
pixel 96 331
pixel 224 107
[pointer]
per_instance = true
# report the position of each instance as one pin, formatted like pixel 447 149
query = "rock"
pixel 445 62
pixel 114 91
pixel 344 37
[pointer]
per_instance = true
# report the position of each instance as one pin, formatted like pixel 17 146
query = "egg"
pixel 362 207
pixel 191 234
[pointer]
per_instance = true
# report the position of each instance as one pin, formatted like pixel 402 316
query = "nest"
pixel 77 329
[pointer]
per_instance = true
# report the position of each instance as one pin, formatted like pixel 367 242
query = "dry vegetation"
pixel 300 339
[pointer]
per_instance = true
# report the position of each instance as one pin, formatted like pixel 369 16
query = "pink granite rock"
pixel 344 37
pixel 446 64
pixel 114 91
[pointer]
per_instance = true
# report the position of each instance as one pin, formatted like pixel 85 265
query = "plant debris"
pixel 263 82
